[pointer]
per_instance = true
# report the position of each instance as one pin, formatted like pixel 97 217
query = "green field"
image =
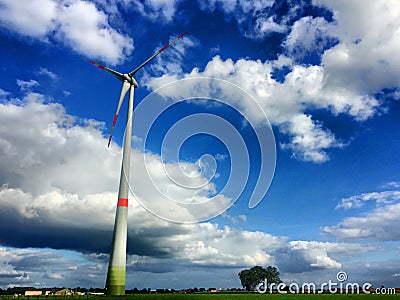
pixel 259 297
pixel 212 297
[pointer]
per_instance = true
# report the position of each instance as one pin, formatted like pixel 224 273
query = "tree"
pixel 272 275
pixel 250 278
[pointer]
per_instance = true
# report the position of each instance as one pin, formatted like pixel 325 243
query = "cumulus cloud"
pixel 65 222
pixel 34 18
pixel 300 256
pixel 171 61
pixel 353 63
pixel 44 267
pixel 308 39
pixel 68 206
pixel 310 139
pixel 256 19
pixel 379 224
pixel 39 145
pixel 392 184
pixel 56 209
pixel 155 10
pixel 264 26
pixel 87 31
pixel 380 198
pixel 376 224
pixel 364 60
pixel 78 24
pixel 63 157
pixel 59 148
pixel 285 103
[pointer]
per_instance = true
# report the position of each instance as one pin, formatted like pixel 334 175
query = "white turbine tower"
pixel 116 274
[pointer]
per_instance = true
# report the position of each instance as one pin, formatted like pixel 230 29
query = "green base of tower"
pixel 115 284
pixel 115 290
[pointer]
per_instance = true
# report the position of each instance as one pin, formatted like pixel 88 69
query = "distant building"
pixel 33 293
pixel 97 293
pixel 18 290
pixel 63 292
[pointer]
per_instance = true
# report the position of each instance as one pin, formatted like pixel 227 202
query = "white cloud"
pixel 310 139
pixel 210 245
pixel 265 26
pixel 285 103
pixel 243 218
pixel 48 147
pixel 176 199
pixel 155 10
pixel 87 31
pixel 3 94
pixel 365 59
pixel 171 61
pixel 46 72
pixel 392 184
pixel 43 267
pixel 78 24
pixel 7 270
pixel 255 18
pixel 308 36
pixel 379 224
pixel 27 86
pixel 52 275
pixel 301 256
pixel 381 198
pixel 66 93
pixel 56 209
pixel 206 245
pixel 369 16
pixel 32 18
pixel 54 150
pixel 361 64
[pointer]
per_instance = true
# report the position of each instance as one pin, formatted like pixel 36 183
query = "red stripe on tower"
pixel 123 202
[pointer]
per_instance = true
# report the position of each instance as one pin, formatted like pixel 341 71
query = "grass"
pixel 213 297
pixel 259 297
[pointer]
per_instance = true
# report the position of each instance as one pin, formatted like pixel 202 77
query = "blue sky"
pixel 325 73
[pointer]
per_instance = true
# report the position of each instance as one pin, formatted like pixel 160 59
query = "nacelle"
pixel 131 80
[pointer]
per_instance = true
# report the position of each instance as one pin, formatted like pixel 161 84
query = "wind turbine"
pixel 116 274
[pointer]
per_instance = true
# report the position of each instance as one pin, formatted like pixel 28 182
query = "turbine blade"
pixel 115 73
pixel 155 54
pixel 109 141
pixel 125 87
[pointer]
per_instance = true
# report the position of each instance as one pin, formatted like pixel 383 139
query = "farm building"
pixel 33 293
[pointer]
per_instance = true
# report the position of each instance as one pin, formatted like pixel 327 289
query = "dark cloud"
pixel 37 234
